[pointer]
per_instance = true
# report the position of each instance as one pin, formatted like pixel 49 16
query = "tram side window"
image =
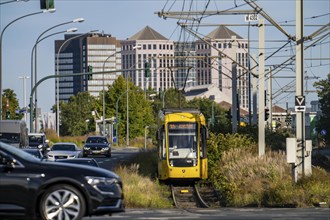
pixel 204 136
pixel 161 143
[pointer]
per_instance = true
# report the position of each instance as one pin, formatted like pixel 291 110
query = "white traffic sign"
pixel 251 17
pixel 299 100
pixel 300 104
pixel 300 108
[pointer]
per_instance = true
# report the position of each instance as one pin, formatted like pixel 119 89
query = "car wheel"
pixel 62 202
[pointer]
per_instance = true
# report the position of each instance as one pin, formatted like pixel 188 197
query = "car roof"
pixel 37 134
pixel 97 136
pixel 64 143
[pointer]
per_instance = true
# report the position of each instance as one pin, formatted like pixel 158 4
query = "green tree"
pixel 10 105
pixel 140 109
pixel 214 114
pixel 76 114
pixel 323 92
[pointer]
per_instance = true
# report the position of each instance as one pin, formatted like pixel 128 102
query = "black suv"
pixel 34 189
pixel 98 145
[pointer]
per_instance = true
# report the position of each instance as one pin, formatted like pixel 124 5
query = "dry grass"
pixel 266 181
pixel 141 191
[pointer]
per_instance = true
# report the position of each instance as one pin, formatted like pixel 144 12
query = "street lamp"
pixel 35 56
pixel 103 101
pixel 2 32
pixel 24 95
pixel 2 3
pixel 164 98
pixel 117 115
pixel 57 79
pixel 145 137
pixel 35 106
pixel 127 116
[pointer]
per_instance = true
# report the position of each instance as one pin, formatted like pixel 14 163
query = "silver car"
pixel 64 150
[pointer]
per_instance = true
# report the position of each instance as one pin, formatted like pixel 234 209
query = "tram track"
pixel 193 196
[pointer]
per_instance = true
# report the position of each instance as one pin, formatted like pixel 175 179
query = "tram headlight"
pixel 171 163
pixel 192 161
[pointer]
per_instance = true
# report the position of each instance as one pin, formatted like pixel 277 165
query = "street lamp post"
pixel 117 115
pixel 35 58
pixel 35 45
pixel 1 36
pixel 103 101
pixel 24 95
pixel 127 116
pixel 164 98
pixel 145 137
pixel 57 79
pixel 2 3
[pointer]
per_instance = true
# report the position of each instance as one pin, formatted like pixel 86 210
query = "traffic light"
pixel 47 4
pixel 7 114
pixel 228 114
pixel 90 70
pixel 146 69
pixel 266 114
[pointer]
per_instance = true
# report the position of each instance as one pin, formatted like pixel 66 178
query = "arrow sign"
pixel 300 108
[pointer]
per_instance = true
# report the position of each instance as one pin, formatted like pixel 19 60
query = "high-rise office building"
pixel 185 61
pixel 79 53
pixel 216 68
pixel 147 45
pixel 204 65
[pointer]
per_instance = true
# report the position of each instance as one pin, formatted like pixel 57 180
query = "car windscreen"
pixel 35 140
pixel 63 147
pixel 96 140
pixel 10 137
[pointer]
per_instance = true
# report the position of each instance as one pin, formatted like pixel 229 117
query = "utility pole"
pixel 270 105
pixel 234 86
pixel 261 106
pixel 254 92
pixel 300 127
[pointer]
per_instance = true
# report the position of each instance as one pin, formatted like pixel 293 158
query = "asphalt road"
pixel 121 154
pixel 222 213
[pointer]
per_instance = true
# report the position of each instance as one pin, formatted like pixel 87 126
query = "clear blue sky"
pixel 123 18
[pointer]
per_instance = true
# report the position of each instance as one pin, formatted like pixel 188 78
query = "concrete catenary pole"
pixel 300 127
pixel 261 106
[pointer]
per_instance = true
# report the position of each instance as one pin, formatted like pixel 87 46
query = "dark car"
pixel 39 140
pixel 34 152
pixel 36 189
pixel 82 161
pixel 97 145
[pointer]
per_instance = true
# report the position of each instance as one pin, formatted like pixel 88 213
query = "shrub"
pixel 245 179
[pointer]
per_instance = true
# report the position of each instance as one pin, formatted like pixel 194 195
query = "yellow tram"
pixel 181 137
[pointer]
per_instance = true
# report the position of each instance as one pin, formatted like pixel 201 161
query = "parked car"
pixel 34 152
pixel 82 161
pixel 97 145
pixel 36 189
pixel 64 150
